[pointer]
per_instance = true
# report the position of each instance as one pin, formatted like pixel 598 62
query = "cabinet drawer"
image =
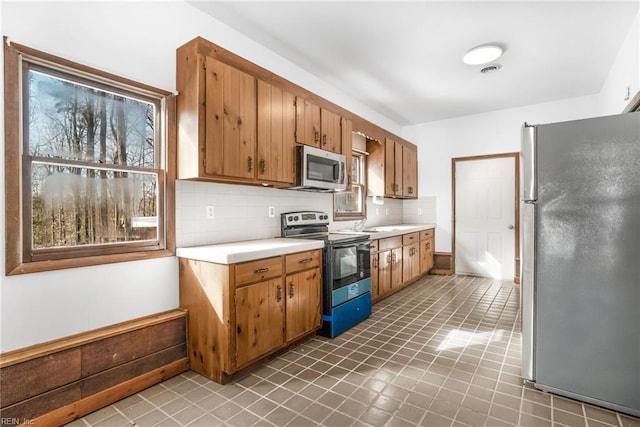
pixel 302 261
pixel 253 271
pixel 426 234
pixel 373 245
pixel 390 243
pixel 410 238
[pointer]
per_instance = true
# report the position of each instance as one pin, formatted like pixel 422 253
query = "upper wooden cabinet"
pixel 230 121
pixel 409 170
pixel 276 134
pixel 392 169
pixel 239 123
pixel 232 126
pixel 307 122
pixel 317 126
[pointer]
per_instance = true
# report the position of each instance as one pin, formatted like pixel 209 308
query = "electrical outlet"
pixel 419 211
pixel 211 212
pixel 272 211
pixel 386 211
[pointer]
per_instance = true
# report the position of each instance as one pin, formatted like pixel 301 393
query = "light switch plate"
pixel 272 211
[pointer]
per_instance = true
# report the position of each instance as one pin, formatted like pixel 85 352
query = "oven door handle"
pixel 349 245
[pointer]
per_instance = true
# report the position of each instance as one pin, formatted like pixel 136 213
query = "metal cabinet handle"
pixel 316 135
pixel 410 190
pixel 291 289
pixel 261 270
pixel 390 258
pixel 278 293
pixel 324 139
pixel 263 166
pixel 250 163
pixel 305 261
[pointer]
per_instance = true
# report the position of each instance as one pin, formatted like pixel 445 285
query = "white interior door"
pixel 484 217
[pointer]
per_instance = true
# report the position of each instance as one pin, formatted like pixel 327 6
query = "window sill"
pixel 41 266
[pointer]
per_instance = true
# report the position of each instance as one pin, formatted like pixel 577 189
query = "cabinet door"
pixel 398 173
pixel 410 261
pixel 276 134
pixel 374 276
pixel 230 127
pixel 392 168
pixel 346 127
pixel 330 129
pixel 303 306
pixel 396 268
pixel 426 255
pixel 389 167
pixel 307 122
pixel 259 319
pixel 409 171
pixel 385 265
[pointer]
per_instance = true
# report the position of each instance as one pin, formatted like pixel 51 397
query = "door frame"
pixel 516 203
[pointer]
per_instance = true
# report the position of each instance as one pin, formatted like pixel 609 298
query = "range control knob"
pixel 295 218
pixel 290 218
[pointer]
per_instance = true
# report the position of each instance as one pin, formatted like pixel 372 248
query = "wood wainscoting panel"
pixel 26 380
pixel 40 380
pixel 102 355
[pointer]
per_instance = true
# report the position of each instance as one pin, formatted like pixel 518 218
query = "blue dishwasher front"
pixel 354 307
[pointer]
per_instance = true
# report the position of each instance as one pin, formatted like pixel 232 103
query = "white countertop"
pixel 249 250
pixel 383 231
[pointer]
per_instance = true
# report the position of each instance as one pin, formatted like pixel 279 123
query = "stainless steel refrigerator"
pixel 580 276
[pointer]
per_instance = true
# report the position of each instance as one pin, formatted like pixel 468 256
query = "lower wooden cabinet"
pixel 426 251
pixel 241 313
pixel 260 322
pixel 398 261
pixel 303 303
pixel 410 261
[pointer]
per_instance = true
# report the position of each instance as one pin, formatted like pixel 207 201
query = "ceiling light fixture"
pixel 483 54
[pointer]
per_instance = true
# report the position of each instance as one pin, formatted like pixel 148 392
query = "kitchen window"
pixel 350 205
pixel 86 155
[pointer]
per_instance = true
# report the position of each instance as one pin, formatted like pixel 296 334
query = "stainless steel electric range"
pixel 346 273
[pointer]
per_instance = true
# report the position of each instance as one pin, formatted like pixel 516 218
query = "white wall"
pixel 624 73
pixel 136 40
pixel 488 133
pixel 499 131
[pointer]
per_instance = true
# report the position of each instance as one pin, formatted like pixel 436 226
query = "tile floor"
pixel 442 352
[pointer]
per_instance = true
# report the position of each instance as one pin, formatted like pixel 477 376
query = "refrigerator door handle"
pixel 527 288
pixel 528 155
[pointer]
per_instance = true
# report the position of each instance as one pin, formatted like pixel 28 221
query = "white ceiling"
pixel 403 59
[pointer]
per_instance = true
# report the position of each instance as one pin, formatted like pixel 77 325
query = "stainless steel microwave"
pixel 319 170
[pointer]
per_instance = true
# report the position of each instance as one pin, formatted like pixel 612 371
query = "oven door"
pixel 350 262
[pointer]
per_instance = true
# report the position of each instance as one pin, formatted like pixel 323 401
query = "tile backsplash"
pixel 241 212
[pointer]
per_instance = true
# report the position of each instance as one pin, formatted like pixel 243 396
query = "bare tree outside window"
pixel 98 203
pixel 92 152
